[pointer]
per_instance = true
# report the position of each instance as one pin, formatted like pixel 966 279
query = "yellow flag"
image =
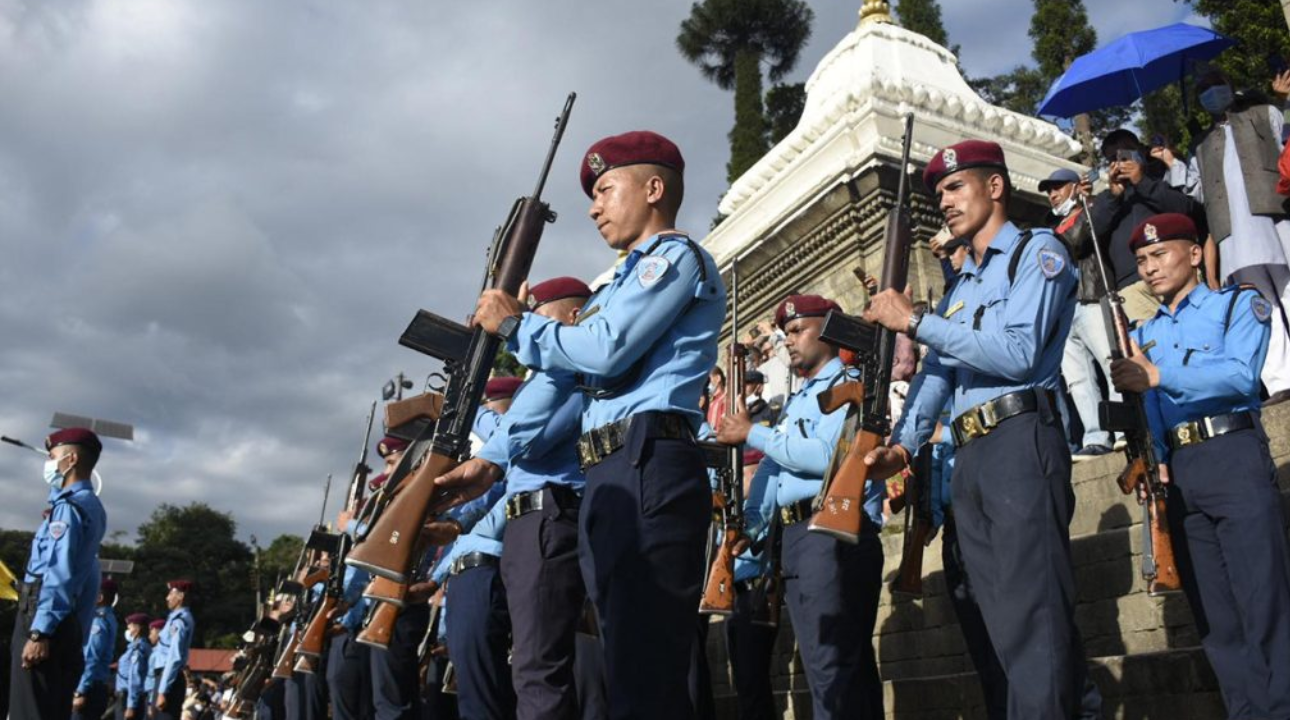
pixel 8 584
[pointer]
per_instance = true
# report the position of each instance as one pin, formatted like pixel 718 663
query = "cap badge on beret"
pixel 596 163
pixel 1151 233
pixel 789 309
pixel 532 302
pixel 951 159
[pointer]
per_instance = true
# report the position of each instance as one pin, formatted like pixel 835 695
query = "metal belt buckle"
pixel 1207 425
pixel 971 426
pixel 512 507
pixel 989 417
pixel 1187 434
pixel 605 441
pixel 786 515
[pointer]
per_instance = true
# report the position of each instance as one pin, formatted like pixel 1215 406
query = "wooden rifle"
pixel 388 548
pixel 840 504
pixel 919 528
pixel 1142 473
pixel 719 590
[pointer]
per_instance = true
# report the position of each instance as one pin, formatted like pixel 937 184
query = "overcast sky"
pixel 218 217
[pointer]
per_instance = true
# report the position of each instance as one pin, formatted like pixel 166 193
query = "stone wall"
pixel 1143 651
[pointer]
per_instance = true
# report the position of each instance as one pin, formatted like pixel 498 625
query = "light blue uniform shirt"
pixel 656 318
pixel 176 639
pixel 98 650
pixel 132 671
pixel 534 447
pixel 798 451
pixel 484 537
pixel 152 667
pixel 65 556
pixel 1205 369
pixel 1017 344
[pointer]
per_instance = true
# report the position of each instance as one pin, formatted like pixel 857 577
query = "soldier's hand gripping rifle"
pixel 387 549
pixel 318 631
pixel 840 505
pixel 1142 474
pixel 919 526
pixel 719 591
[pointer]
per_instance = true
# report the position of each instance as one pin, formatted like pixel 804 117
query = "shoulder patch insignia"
pixel 57 529
pixel 651 269
pixel 1051 263
pixel 1262 308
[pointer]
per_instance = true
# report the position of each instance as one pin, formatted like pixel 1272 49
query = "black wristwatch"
pixel 37 636
pixel 915 318
pixel 508 327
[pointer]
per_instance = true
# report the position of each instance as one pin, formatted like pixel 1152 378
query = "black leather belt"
pixel 794 513
pixel 523 503
pixel 596 445
pixel 1198 431
pixel 982 419
pixel 470 561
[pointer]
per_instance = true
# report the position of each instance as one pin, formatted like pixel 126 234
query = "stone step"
pixel 1174 684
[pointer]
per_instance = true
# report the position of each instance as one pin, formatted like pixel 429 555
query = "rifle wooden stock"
pixel 842 512
pixel 840 396
pixel 388 551
pixel 719 591
pixel 1166 579
pixel 315 635
pixel 1133 475
pixel 386 590
pixel 306 664
pixel 380 626
pixel 422 407
pixel 909 578
pixel 282 669
pixel 315 577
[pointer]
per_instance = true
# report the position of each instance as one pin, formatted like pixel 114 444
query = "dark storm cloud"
pixel 218 217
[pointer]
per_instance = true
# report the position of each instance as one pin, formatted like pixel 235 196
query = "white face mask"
pixel 1066 207
pixel 129 636
pixel 53 476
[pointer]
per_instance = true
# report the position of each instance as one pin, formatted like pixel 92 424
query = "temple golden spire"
pixel 875 11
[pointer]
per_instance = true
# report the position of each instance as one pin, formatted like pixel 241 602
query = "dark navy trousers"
pixel 395 670
pixel 45 691
pixel 545 598
pixel 1225 508
pixel 349 678
pixel 589 678
pixel 642 531
pixel 1013 503
pixel 479 637
pixel 270 705
pixel 305 699
pixel 831 589
pixel 96 702
pixel 751 647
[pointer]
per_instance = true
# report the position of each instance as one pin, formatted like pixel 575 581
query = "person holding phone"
pixel 1136 190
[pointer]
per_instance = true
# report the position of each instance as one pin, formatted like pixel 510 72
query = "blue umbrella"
pixel 1125 70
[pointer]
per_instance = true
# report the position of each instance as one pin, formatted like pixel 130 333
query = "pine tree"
pixel 924 18
pixel 730 41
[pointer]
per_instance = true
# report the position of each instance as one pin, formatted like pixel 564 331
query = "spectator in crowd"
pixel 770 344
pixel 1088 346
pixel 716 395
pixel 1234 173
pixel 1135 192
pixel 1168 155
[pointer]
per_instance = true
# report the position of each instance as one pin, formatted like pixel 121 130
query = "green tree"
pixel 1259 29
pixel 278 560
pixel 924 18
pixel 197 543
pixel 1019 90
pixel 507 365
pixel 784 105
pixel 729 41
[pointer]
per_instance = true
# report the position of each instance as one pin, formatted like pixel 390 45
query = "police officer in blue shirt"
pixel 1198 362
pixel 640 352
pixel 539 563
pixel 60 585
pixel 995 349
pixel 172 647
pixel 91 696
pixel 349 663
pixel 831 587
pixel 153 668
pixel 132 669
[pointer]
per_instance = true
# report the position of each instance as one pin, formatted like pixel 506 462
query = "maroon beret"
pixel 73 436
pixel 557 289
pixel 390 445
pixel 183 586
pixel 798 306
pixel 499 388
pixel 108 587
pixel 961 156
pixel 1162 227
pixel 139 619
pixel 638 147
pixel 156 624
pixel 376 482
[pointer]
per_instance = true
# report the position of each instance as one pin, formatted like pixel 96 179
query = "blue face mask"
pixel 53 476
pixel 1216 99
